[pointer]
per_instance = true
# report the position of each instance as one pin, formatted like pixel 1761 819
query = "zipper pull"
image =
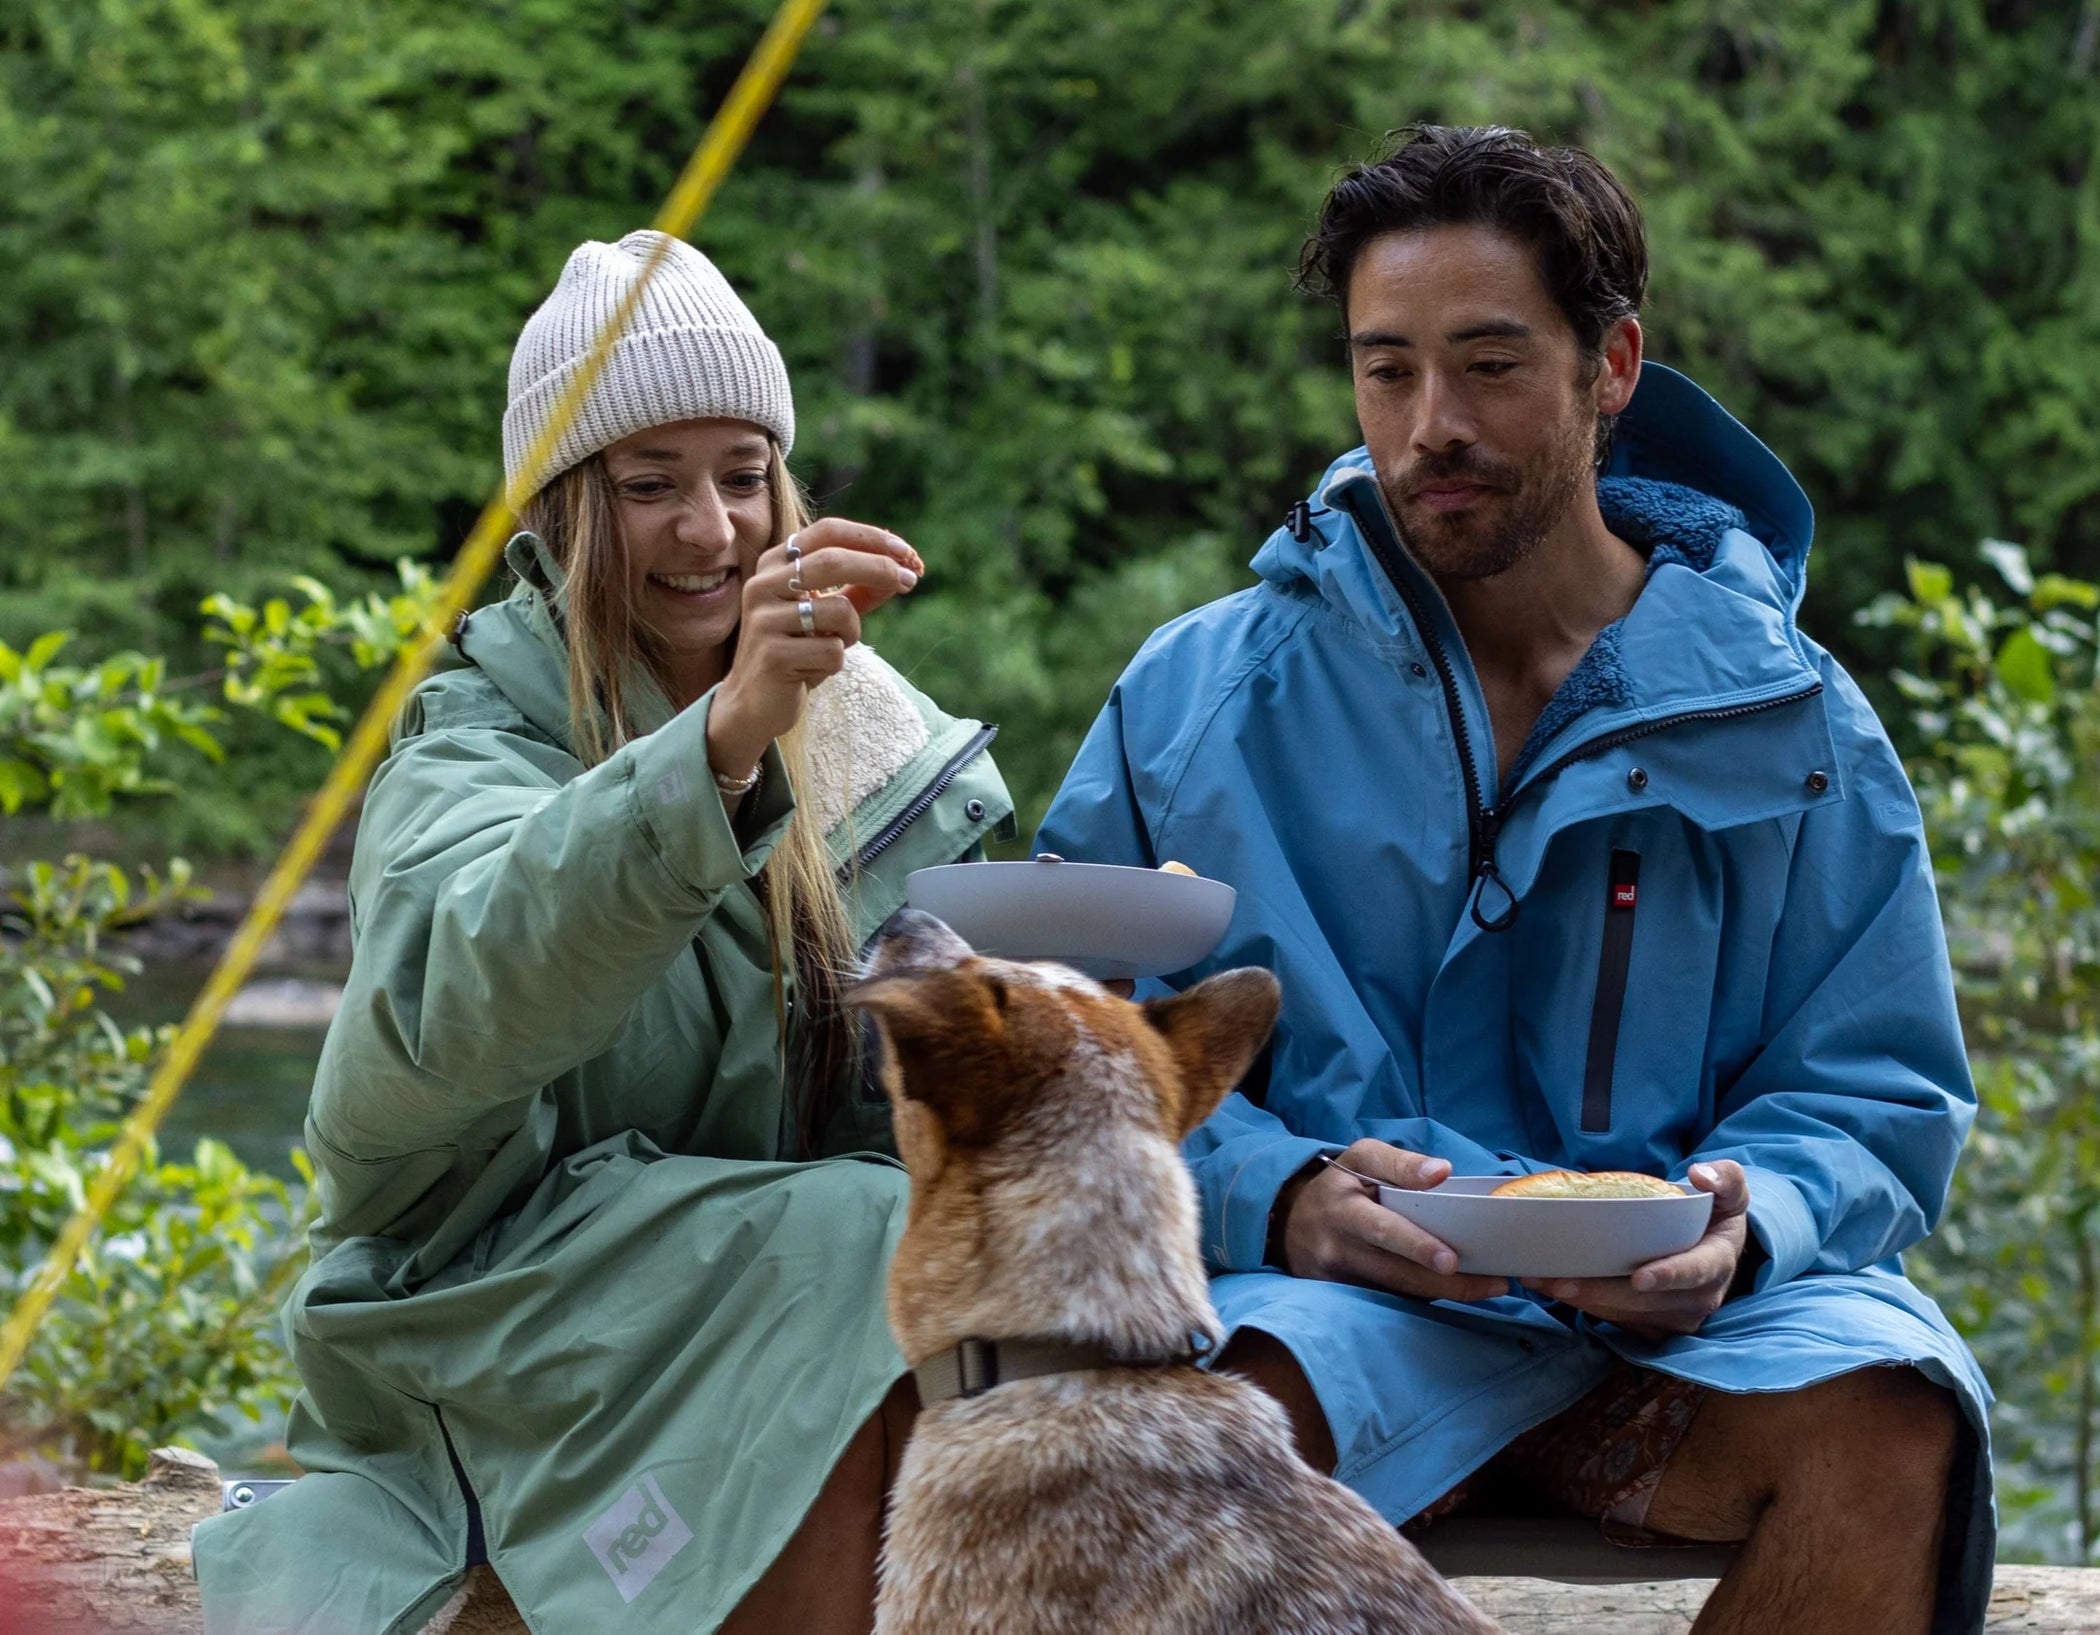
pixel 1488 874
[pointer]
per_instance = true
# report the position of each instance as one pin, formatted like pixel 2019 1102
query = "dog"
pixel 1072 1471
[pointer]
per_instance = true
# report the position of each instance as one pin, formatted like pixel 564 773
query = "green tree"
pixel 1029 264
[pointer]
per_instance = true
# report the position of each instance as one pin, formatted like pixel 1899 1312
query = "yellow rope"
pixel 711 161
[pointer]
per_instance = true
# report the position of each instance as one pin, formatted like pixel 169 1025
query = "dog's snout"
pixel 912 939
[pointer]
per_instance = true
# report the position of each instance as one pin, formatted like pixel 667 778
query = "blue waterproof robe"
pixel 1446 948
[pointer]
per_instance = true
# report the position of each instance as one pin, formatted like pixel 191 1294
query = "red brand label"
pixel 1623 894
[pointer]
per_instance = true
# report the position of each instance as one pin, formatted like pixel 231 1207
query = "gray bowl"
pixel 1103 920
pixel 1551 1237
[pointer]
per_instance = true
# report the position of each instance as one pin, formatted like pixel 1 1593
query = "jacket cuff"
pixel 1780 1218
pixel 672 799
pixel 1240 1224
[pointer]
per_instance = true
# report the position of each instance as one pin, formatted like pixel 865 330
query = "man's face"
pixel 1479 408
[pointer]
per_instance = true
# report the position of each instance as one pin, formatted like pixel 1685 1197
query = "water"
pixel 250 1089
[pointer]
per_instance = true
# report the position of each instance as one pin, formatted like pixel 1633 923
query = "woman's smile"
pixel 697 589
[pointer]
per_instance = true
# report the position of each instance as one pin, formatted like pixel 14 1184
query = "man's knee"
pixel 1888 1436
pixel 1873 1447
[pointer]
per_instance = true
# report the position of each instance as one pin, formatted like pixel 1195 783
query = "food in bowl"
pixel 1178 868
pixel 1568 1183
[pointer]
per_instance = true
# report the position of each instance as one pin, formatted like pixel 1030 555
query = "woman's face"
pixel 695 505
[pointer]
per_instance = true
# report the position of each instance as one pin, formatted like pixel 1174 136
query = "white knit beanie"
pixel 691 351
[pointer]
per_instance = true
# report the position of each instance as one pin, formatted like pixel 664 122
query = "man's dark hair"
pixel 1583 227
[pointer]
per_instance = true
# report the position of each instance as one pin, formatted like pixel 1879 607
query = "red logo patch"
pixel 1623 894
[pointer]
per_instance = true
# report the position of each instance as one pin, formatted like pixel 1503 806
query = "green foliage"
pixel 274 654
pixel 1028 261
pixel 164 1326
pixel 74 739
pixel 2004 695
pixel 77 737
pixel 58 1050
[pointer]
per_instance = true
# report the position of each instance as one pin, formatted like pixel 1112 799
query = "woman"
pixel 596 1296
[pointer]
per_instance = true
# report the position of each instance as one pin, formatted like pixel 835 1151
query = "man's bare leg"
pixel 1268 1363
pixel 1840 1491
pixel 823 1580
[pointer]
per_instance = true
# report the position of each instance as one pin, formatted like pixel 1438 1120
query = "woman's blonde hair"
pixel 611 646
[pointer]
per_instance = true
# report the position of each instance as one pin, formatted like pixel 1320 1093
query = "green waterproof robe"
pixel 570 1304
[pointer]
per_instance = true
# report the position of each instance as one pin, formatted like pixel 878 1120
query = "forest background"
pixel 262 263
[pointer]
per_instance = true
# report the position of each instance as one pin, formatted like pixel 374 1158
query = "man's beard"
pixel 1473 544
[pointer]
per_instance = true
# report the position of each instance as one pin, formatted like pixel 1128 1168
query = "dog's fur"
pixel 1041 1118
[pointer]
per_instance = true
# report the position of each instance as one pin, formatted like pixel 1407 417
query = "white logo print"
pixel 636 1538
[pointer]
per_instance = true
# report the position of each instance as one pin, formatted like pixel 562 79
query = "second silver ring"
pixel 806 611
pixel 793 553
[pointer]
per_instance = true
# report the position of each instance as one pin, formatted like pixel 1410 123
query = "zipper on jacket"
pixel 1385 546
pixel 921 803
pixel 1484 823
pixel 1616 958
pixel 1492 821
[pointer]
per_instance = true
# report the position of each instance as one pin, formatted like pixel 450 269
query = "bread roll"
pixel 1177 868
pixel 1568 1183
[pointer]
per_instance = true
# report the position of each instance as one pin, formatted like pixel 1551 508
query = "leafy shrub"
pixel 2006 712
pixel 165 1325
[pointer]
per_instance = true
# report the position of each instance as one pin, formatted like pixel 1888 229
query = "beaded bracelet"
pixel 740 786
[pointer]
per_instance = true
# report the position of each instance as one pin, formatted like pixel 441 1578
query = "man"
pixel 1571 851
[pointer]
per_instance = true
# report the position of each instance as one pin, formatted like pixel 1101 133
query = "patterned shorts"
pixel 1602 1459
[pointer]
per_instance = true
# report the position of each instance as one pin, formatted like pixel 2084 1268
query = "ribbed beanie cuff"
pixel 691 351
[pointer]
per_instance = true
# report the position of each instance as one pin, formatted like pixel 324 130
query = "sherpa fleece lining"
pixel 1668 523
pixel 863 731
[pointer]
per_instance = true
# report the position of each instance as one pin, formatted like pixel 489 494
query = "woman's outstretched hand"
pixel 847 569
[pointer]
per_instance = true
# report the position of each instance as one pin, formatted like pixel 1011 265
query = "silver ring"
pixel 791 550
pixel 806 611
pixel 795 585
pixel 793 553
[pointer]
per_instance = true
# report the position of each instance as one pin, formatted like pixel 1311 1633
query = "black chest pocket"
pixel 1614 959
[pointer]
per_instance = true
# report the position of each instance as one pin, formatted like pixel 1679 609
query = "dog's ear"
pixel 907 1002
pixel 944 1039
pixel 1215 1030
